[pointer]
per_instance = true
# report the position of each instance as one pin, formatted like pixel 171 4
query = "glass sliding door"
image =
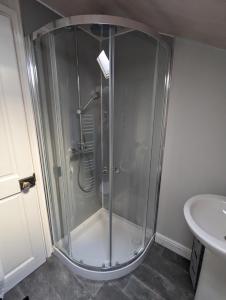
pixel 158 132
pixel 134 80
pixel 54 155
pixel 85 159
pixel 74 107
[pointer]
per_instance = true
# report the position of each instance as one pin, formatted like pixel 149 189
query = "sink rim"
pixel 213 243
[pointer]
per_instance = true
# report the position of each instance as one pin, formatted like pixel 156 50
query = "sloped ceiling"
pixel 203 20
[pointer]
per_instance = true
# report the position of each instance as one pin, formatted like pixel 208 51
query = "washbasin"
pixel 206 217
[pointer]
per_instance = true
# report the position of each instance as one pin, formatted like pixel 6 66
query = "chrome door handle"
pixel 27 183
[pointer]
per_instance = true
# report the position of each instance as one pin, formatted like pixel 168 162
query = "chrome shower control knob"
pixel 105 170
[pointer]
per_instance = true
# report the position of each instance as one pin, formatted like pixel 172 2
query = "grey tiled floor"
pixel 162 276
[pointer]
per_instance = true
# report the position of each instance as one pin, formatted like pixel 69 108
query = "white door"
pixel 21 239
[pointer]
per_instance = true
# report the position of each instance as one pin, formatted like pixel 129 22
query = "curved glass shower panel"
pixel 90 232
pixel 134 72
pixel 158 132
pixel 77 108
pixel 53 141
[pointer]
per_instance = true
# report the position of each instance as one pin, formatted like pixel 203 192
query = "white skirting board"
pixel 173 245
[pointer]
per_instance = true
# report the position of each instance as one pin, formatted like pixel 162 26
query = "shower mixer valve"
pixel 105 170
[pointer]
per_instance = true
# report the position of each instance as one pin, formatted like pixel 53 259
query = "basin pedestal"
pixel 212 280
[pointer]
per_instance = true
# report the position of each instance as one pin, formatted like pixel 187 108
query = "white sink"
pixel 206 217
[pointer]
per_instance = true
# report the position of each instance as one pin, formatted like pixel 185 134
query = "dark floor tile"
pixel 39 290
pixel 14 294
pixel 175 258
pixel 120 282
pixel 137 290
pixel 156 248
pixel 163 275
pixel 170 268
pixel 109 292
pixel 186 295
pixel 91 286
pixel 37 286
pixel 154 253
pixel 60 273
pixel 158 283
pixel 53 281
pixel 64 283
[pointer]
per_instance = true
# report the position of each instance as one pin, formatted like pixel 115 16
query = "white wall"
pixel 195 149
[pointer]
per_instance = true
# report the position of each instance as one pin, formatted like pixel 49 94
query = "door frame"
pixel 13 12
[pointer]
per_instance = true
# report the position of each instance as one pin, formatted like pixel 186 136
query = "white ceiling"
pixel 203 20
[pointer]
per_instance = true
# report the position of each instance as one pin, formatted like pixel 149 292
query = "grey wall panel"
pixel 82 204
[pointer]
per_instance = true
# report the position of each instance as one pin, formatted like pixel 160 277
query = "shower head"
pixel 104 64
pixel 93 98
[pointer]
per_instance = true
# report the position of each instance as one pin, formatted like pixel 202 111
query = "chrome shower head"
pixel 93 98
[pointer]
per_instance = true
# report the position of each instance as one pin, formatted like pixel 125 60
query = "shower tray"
pixel 91 238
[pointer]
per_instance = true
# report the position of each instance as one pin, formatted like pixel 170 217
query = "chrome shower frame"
pixel 84 270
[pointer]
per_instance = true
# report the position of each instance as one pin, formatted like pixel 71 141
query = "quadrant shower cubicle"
pixel 101 132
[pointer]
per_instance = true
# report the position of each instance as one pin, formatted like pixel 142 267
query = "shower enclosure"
pixel 101 131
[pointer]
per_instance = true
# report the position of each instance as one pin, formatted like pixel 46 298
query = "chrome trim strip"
pixel 111 133
pixel 33 85
pixel 97 19
pixel 163 130
pixel 62 156
pixel 153 99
